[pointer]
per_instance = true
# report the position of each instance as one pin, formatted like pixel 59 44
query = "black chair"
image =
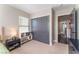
pixel 12 43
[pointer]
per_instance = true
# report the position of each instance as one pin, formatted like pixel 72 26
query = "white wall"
pixel 41 13
pixel 9 17
pixel 59 12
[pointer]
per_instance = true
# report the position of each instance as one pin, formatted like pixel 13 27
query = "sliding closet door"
pixel 40 28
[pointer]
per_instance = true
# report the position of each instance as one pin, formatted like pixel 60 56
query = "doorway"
pixel 64 28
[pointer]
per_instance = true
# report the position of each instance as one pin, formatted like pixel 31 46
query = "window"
pixel 24 24
pixel 23 21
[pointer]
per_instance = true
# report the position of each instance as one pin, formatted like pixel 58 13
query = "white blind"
pixel 23 24
pixel 23 21
pixel 23 29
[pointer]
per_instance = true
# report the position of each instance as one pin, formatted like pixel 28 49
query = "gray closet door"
pixel 40 29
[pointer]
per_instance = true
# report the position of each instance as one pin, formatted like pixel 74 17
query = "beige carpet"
pixel 36 47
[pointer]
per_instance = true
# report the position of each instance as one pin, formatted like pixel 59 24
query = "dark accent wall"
pixel 74 39
pixel 40 29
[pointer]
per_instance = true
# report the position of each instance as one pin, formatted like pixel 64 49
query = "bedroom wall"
pixel 9 18
pixel 41 13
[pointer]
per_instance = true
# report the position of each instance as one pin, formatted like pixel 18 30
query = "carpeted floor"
pixel 36 47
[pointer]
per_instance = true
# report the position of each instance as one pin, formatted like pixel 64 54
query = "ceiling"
pixel 32 8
